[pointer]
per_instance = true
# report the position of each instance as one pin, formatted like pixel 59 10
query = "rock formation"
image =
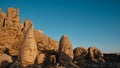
pixel 21 39
pixel 5 60
pixel 80 53
pixel 12 34
pixel 40 58
pixel 27 23
pixel 95 55
pixel 12 18
pixel 65 52
pixel 28 49
pixel 2 17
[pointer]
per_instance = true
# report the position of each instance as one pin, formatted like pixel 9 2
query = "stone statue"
pixel 95 55
pixel 28 50
pixel 80 53
pixel 65 52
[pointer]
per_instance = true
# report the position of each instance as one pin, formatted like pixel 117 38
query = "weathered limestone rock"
pixel 12 18
pixel 44 42
pixel 53 59
pixel 27 24
pixel 12 34
pixel 95 55
pixel 80 53
pixel 65 52
pixel 40 58
pixel 28 50
pixel 5 60
pixel 2 17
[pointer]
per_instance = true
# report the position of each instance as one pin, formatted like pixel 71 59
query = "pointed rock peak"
pixel 11 12
pixel 27 23
pixel 65 50
pixel 29 44
pixel 29 33
pixel 64 37
pixel 65 40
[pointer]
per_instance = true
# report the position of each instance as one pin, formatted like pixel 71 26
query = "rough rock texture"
pixel 12 34
pixel 95 55
pixel 65 52
pixel 27 23
pixel 53 59
pixel 44 42
pixel 80 53
pixel 28 48
pixel 5 60
pixel 2 17
pixel 40 58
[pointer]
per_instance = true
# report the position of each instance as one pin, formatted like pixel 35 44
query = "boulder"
pixel 28 50
pixel 80 53
pixel 5 60
pixel 95 55
pixel 65 52
pixel 40 58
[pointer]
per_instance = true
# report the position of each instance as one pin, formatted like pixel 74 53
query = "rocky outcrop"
pixel 95 55
pixel 65 52
pixel 44 42
pixel 28 49
pixel 12 33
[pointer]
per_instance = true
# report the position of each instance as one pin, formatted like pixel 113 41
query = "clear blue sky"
pixel 86 22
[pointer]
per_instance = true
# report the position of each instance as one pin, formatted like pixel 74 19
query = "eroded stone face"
pixel 95 55
pixel 12 33
pixel 28 50
pixel 80 53
pixel 65 51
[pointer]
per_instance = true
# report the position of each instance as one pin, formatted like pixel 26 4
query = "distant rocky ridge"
pixel 21 46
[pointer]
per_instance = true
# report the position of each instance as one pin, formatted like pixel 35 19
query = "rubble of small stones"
pixel 21 46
